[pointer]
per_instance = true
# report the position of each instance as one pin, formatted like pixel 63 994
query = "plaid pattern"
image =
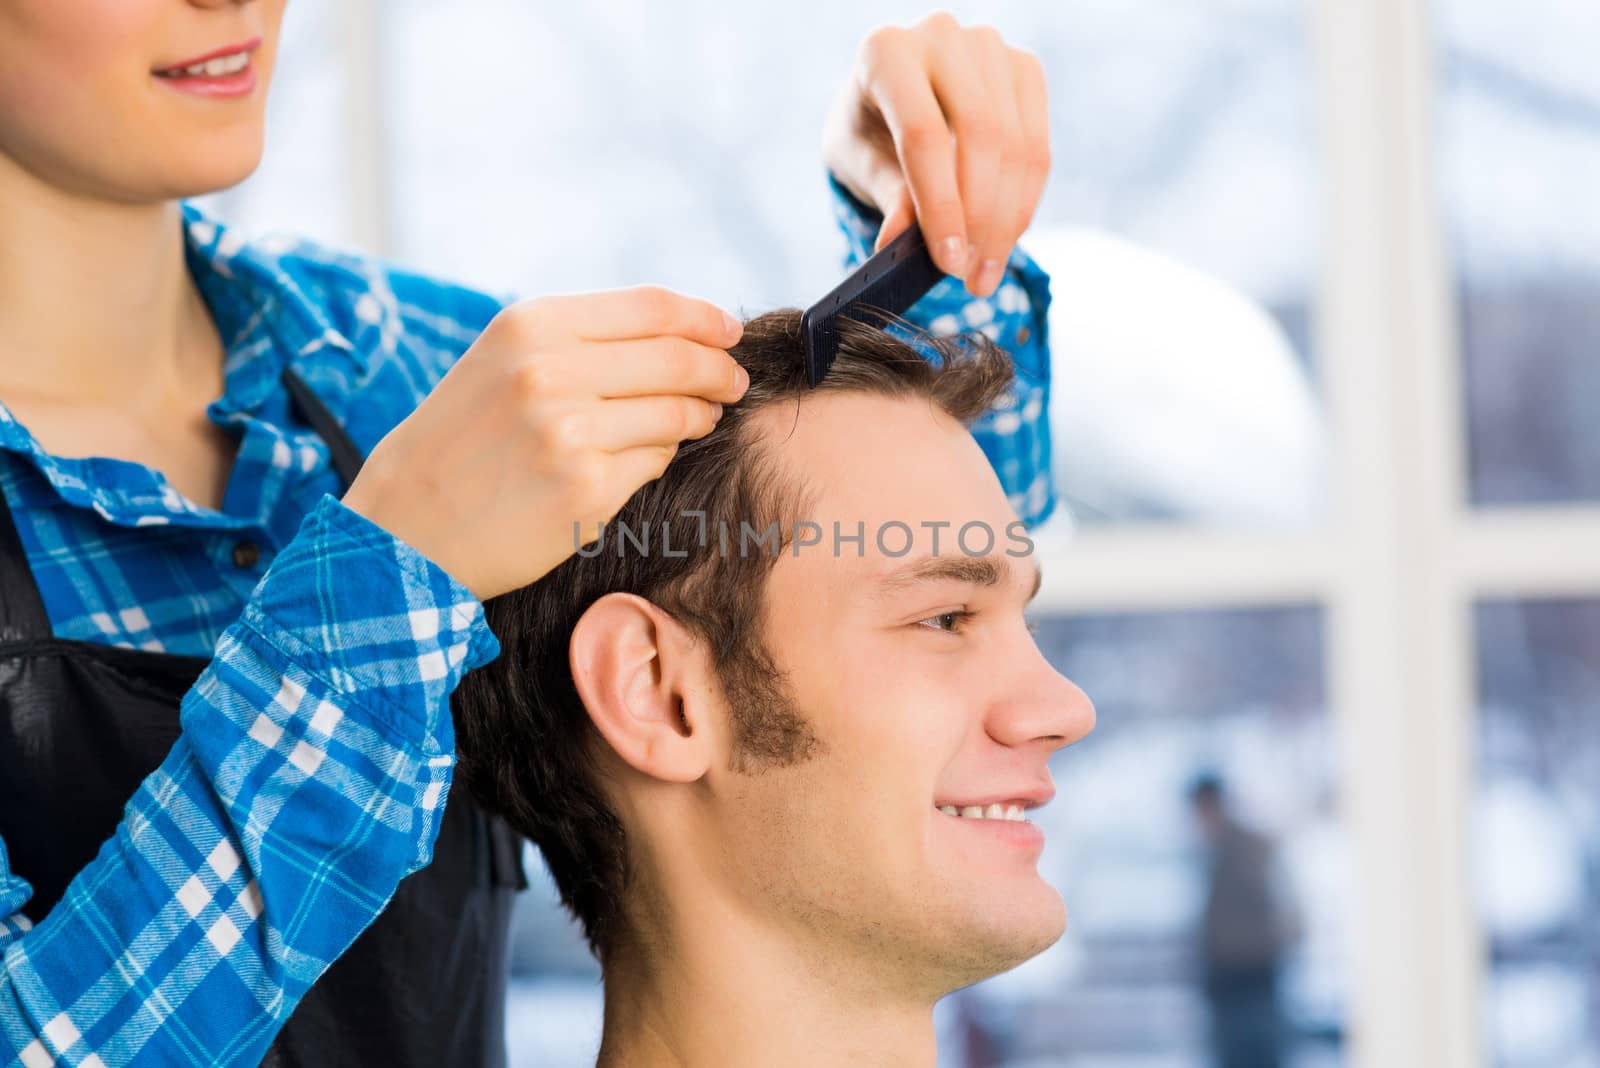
pixel 312 769
pixel 317 747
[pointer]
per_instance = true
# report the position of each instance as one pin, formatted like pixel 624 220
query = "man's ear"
pixel 639 675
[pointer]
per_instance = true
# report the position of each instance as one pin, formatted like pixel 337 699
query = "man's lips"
pixel 1001 821
pixel 1025 799
pixel 995 810
pixel 999 815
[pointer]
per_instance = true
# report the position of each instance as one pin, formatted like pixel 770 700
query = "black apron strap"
pixel 22 614
pixel 346 456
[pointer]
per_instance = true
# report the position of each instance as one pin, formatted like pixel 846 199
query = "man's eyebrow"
pixel 977 570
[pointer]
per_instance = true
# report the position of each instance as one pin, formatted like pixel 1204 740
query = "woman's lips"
pixel 226 72
pixel 238 83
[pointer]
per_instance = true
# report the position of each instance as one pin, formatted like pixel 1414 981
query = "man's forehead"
pixel 892 488
pixel 881 457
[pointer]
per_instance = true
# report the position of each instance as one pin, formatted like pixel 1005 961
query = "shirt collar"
pixel 251 285
pixel 262 296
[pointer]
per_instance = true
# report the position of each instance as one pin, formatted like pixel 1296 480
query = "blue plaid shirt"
pixel 317 747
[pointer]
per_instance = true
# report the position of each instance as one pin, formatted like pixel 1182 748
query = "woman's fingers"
pixel 901 214
pixel 634 422
pixel 632 468
pixel 1033 109
pixel 556 415
pixel 984 128
pixel 991 221
pixel 964 118
pixel 638 367
pixel 897 84
pixel 640 311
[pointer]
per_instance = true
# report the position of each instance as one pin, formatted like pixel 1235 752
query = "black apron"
pixel 82 724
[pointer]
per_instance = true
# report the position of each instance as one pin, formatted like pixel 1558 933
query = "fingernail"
pixel 989 276
pixel 742 378
pixel 954 253
pixel 735 327
pixel 716 412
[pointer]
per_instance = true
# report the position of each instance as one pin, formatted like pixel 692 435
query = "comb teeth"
pixel 821 337
pixel 891 281
pixel 830 341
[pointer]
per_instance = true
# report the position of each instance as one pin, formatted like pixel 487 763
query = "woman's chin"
pixel 210 171
pixel 216 183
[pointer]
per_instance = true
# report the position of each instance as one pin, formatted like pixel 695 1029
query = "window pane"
pixel 1238 694
pixel 1185 181
pixel 1538 829
pixel 561 147
pixel 1520 124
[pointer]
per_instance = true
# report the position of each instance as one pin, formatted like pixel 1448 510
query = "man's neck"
pixel 732 993
pixel 96 303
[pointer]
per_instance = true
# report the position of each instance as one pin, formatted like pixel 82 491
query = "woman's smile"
pixel 226 72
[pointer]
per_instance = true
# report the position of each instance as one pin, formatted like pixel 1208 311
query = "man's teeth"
pixel 216 68
pixel 995 811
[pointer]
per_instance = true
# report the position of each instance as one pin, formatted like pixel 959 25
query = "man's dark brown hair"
pixel 525 741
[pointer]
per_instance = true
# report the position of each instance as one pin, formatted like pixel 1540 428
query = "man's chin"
pixel 1006 933
pixel 1043 928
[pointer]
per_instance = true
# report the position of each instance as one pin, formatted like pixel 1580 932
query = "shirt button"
pixel 246 554
pixel 1023 334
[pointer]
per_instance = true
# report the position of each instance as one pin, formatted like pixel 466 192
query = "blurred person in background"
pixel 1248 926
pixel 252 497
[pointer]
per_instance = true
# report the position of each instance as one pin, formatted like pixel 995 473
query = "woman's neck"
pixel 96 302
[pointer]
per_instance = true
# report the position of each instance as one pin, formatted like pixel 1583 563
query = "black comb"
pixel 891 281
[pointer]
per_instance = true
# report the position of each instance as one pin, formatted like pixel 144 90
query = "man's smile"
pixel 995 811
pixel 1005 820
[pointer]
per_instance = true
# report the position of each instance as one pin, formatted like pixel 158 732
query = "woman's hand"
pixel 561 409
pixel 888 141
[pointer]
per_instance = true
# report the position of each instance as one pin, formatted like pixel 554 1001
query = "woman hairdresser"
pixel 227 643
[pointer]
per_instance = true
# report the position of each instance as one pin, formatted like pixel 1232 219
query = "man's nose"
pixel 1040 706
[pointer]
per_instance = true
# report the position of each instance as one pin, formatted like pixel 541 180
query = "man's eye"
pixel 950 622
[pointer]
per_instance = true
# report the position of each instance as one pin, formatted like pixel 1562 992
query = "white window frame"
pixel 366 146
pixel 1400 561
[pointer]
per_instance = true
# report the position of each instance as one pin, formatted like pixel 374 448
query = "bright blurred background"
pixel 1327 418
